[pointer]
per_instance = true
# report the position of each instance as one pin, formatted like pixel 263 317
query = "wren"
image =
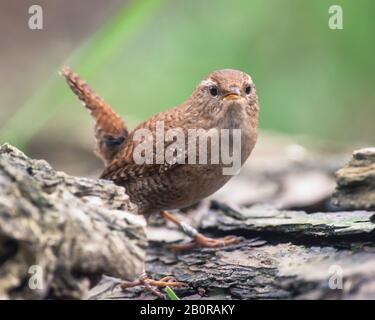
pixel 224 100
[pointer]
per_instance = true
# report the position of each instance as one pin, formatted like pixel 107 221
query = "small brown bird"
pixel 225 99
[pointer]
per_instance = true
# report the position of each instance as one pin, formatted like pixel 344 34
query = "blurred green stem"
pixel 89 59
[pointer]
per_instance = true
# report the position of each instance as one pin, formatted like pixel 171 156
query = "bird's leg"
pixel 199 239
pixel 152 285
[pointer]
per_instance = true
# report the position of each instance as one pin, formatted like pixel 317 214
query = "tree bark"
pixel 83 234
pixel 59 234
pixel 285 254
pixel 356 182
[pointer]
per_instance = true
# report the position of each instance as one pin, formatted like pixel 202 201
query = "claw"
pixel 153 285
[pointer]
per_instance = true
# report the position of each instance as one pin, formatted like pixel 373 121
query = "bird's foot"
pixel 153 285
pixel 204 242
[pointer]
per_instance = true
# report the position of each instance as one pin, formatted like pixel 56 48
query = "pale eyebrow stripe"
pixel 207 82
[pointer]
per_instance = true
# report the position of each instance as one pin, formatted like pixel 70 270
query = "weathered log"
pixel 77 230
pixel 356 182
pixel 285 254
pixel 59 234
pixel 319 226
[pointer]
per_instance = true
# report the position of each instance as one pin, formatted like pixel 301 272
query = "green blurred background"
pixel 145 56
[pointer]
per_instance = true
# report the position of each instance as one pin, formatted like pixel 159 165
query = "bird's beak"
pixel 233 94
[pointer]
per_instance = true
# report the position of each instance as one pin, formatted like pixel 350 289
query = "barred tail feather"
pixel 110 129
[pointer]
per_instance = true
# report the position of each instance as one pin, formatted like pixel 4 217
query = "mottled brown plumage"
pixel 157 187
pixel 225 99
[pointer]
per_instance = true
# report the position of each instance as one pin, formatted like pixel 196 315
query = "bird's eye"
pixel 248 89
pixel 213 91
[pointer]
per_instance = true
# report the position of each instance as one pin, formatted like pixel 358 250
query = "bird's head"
pixel 226 94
